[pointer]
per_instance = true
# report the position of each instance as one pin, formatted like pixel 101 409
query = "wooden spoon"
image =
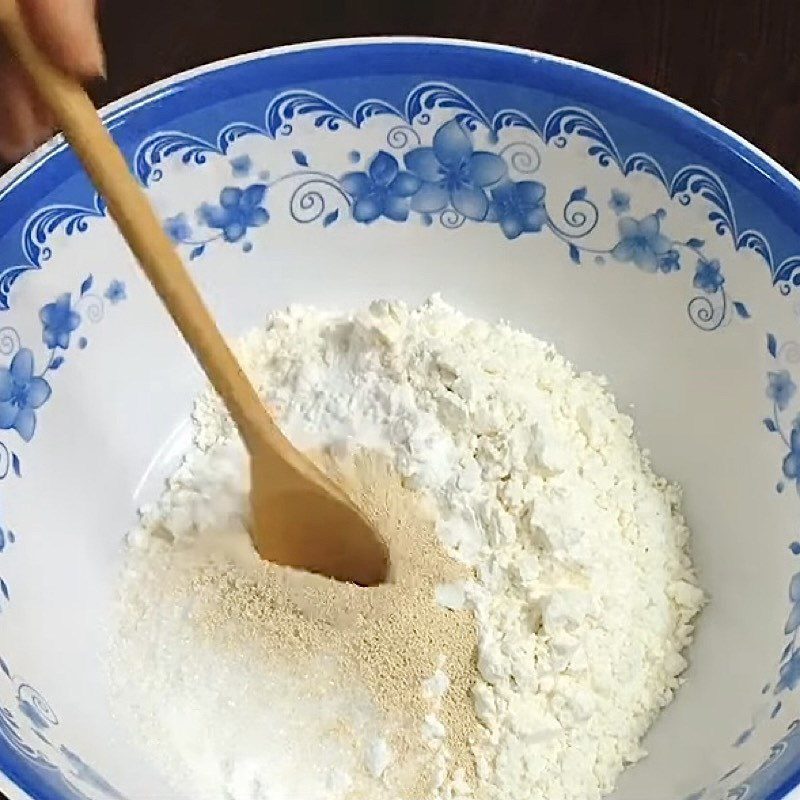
pixel 300 518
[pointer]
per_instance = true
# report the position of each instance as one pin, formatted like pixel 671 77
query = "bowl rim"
pixel 152 92
pixel 113 114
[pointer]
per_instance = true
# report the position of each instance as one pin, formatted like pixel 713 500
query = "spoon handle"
pixel 142 230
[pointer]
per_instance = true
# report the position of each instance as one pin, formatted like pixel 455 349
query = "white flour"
pixel 583 593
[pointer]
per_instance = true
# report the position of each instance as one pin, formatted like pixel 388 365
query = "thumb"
pixel 67 31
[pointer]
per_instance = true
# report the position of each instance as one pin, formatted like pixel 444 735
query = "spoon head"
pixel 312 525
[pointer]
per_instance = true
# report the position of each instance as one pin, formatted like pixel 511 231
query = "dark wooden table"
pixel 736 60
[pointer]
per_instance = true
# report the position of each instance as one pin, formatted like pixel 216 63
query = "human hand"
pixel 66 30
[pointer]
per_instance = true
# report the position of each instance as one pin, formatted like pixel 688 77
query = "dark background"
pixel 736 60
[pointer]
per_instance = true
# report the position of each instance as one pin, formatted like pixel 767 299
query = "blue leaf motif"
pixel 641 162
pixel 578 194
pixel 786 651
pixel 372 108
pixel 197 252
pixel 743 737
pixel 772 344
pixel 695 244
pixel 300 158
pixel 15 464
pixel 793 621
pixel 87 284
pixel 4 589
pixel 330 218
pixel 511 118
pixel 292 104
pixel 428 96
pixel 236 130
pixel 770 425
pixel 788 272
pixel 44 223
pixel 795 548
pixel 741 309
pixel 569 121
pixel 695 795
pixel 755 242
pixel 575 254
pixel 794 588
pixel 153 152
pixel 776 710
pixel 694 180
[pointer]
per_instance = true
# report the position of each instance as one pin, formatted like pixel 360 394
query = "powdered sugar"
pixel 583 593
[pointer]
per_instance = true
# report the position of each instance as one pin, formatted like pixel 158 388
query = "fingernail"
pixel 93 58
pixel 96 60
pixel 102 71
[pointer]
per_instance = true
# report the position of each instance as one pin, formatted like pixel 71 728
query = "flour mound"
pixel 574 554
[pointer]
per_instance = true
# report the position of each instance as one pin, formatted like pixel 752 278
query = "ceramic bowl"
pixel 648 243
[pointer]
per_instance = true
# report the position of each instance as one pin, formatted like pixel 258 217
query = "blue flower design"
pixel 670 261
pixel 115 292
pixel 238 210
pixel 791 464
pixel 21 393
pixel 518 207
pixel 642 242
pixel 453 173
pixel 620 202
pixel 708 276
pixel 58 321
pixel 789 673
pixel 780 388
pixel 178 228
pixel 383 191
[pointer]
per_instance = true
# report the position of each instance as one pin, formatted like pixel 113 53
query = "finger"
pixel 24 123
pixel 67 31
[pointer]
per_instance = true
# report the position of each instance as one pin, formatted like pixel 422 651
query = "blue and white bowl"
pixel 645 241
